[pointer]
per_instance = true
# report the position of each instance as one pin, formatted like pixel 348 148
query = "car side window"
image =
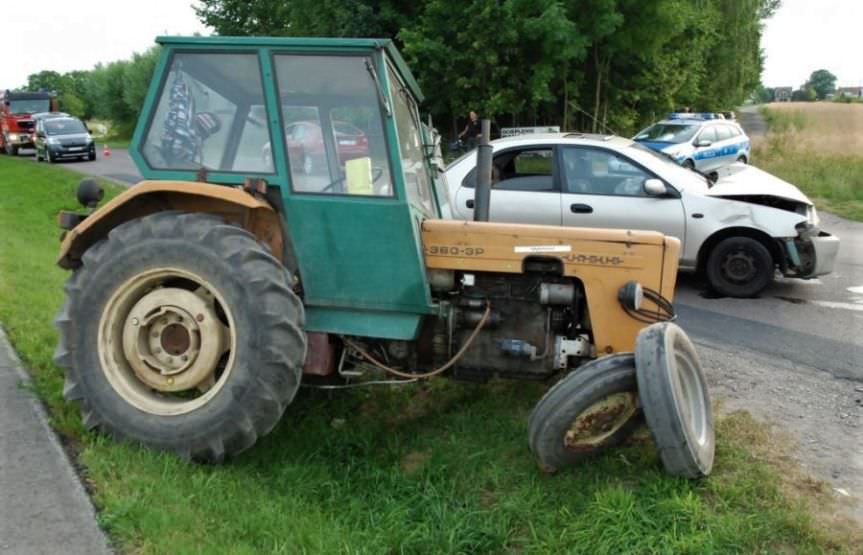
pixel 735 132
pixel 708 134
pixel 592 171
pixel 520 170
pixel 723 132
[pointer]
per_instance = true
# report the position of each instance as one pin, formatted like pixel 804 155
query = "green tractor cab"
pixel 293 227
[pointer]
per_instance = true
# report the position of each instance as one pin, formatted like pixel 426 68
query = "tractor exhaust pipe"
pixel 482 193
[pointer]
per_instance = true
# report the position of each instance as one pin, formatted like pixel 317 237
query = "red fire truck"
pixel 16 125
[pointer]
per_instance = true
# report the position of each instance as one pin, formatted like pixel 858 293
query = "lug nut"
pixel 200 317
pixel 135 321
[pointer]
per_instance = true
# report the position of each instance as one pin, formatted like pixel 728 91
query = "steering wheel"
pixel 377 172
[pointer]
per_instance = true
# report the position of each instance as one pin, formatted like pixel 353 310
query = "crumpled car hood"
pixel 741 180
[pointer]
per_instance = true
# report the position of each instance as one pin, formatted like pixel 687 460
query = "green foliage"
pixel 804 94
pixel 822 82
pixel 585 64
pixel 114 92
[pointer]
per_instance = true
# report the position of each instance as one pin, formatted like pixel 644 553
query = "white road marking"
pixel 857 290
pixel 843 306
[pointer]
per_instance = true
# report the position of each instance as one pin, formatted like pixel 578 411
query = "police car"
pixel 703 141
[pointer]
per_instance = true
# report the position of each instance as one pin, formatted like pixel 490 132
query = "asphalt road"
pixel 816 323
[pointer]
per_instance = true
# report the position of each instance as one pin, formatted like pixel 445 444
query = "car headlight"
pixel 52 141
pixel 13 136
pixel 89 138
pixel 812 216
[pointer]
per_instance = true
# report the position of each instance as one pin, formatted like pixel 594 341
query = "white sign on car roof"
pixel 513 131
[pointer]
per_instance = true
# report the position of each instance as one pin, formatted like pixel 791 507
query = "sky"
pixel 60 35
pixel 63 35
pixel 805 35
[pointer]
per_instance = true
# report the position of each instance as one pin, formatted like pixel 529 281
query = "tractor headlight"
pixel 631 295
pixel 13 137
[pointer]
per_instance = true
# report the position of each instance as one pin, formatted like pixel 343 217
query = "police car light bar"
pixel 699 115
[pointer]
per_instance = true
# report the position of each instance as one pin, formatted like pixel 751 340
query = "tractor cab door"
pixel 353 164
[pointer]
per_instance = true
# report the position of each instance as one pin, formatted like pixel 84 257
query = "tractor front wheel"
pixel 593 408
pixel 181 332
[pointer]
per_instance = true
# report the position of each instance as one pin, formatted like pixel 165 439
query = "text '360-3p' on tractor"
pixel 294 228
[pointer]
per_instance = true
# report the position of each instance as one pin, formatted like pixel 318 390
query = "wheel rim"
pixel 691 396
pixel 739 266
pixel 600 421
pixel 166 341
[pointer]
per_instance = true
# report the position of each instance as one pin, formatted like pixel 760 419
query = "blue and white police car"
pixel 700 141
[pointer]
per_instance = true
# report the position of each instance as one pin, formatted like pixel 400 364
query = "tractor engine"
pixel 535 324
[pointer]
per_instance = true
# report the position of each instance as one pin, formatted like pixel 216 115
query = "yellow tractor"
pixel 294 228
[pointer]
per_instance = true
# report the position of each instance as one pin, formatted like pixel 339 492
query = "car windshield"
pixel 668 133
pixel 64 126
pixel 29 106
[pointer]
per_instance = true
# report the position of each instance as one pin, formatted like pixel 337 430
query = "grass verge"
pixel 814 146
pixel 440 468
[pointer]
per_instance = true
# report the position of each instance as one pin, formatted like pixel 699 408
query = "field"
pixel 817 146
pixel 437 468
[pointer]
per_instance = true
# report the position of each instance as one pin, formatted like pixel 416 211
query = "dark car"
pixel 63 137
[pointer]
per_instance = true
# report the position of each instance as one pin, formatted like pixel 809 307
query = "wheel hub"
pixel 600 421
pixel 739 267
pixel 173 339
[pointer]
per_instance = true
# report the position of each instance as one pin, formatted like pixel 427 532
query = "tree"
pixel 823 82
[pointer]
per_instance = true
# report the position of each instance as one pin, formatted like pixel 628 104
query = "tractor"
pixel 293 228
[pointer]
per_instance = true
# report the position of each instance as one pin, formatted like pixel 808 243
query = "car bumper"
pixel 812 253
pixel 60 151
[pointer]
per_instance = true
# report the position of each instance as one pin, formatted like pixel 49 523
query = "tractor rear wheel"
pixel 593 408
pixel 181 332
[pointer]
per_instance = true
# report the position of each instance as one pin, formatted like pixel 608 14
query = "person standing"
pixel 472 131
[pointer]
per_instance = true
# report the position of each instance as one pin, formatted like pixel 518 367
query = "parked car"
pixel 703 142
pixel 306 145
pixel 737 231
pixel 63 137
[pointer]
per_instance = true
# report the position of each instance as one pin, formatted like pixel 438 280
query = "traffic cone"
pixel 106 151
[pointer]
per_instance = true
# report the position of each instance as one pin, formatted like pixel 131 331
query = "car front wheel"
pixel 739 267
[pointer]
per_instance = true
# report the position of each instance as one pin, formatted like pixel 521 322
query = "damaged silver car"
pixel 739 231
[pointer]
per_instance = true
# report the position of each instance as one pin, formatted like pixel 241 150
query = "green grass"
pixel 442 468
pixel 833 179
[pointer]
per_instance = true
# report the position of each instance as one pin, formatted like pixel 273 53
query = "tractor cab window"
pixel 333 125
pixel 411 147
pixel 210 114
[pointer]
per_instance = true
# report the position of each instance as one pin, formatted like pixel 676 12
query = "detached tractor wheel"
pixel 593 408
pixel 739 267
pixel 675 400
pixel 181 332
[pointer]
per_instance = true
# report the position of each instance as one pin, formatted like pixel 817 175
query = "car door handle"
pixel 469 203
pixel 581 208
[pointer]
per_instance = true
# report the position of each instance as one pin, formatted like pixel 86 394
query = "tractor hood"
pixel 739 181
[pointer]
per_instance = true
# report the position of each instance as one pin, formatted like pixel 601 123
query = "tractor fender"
pixel 148 197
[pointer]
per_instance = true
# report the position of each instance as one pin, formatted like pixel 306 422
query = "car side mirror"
pixel 655 187
pixel 704 142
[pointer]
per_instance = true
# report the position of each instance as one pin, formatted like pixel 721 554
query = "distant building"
pixel 856 92
pixel 782 94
